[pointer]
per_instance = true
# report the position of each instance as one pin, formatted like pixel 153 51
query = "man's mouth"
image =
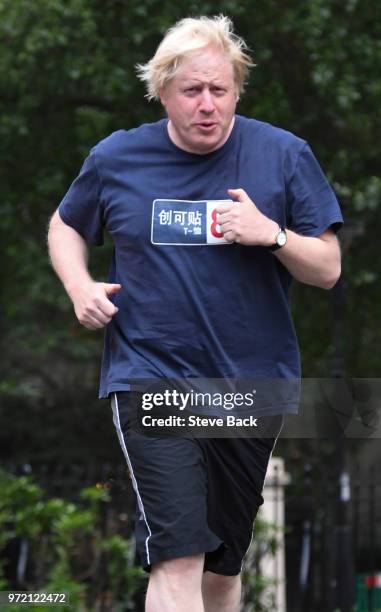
pixel 206 126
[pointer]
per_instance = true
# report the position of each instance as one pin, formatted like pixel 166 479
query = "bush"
pixel 259 592
pixel 67 547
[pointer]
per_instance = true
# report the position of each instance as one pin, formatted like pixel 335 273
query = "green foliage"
pixel 68 549
pixel 259 593
pixel 124 576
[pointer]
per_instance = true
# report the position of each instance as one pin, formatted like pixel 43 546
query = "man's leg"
pixel 221 593
pixel 175 585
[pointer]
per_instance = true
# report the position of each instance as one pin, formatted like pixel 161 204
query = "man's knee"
pixel 176 572
pixel 216 583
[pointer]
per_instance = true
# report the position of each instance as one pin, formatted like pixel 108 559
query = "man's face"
pixel 200 101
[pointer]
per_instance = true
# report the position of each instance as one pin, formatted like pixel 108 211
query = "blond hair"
pixel 188 36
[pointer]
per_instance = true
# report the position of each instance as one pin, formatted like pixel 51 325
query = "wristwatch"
pixel 280 239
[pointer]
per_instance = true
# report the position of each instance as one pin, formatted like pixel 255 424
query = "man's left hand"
pixel 244 223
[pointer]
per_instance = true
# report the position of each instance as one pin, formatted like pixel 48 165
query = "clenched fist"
pixel 92 305
pixel 243 222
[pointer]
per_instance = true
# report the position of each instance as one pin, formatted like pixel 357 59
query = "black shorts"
pixel 194 495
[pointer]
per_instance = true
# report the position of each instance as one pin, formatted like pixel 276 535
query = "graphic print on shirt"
pixel 186 222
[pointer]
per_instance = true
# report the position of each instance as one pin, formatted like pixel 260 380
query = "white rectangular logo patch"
pixel 186 222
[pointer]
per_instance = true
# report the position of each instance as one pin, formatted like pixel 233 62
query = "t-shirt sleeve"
pixel 312 204
pixel 81 207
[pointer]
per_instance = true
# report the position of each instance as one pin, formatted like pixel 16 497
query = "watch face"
pixel 281 239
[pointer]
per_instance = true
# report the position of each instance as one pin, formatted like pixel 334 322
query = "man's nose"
pixel 206 102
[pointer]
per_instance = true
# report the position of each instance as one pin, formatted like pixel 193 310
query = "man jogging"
pixel 211 215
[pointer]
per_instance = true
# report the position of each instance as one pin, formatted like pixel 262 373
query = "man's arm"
pixel 69 256
pixel 311 260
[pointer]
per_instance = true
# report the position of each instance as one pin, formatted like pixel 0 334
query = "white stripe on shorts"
pixel 115 410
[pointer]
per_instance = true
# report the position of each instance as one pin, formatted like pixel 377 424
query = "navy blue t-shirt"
pixel 192 306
